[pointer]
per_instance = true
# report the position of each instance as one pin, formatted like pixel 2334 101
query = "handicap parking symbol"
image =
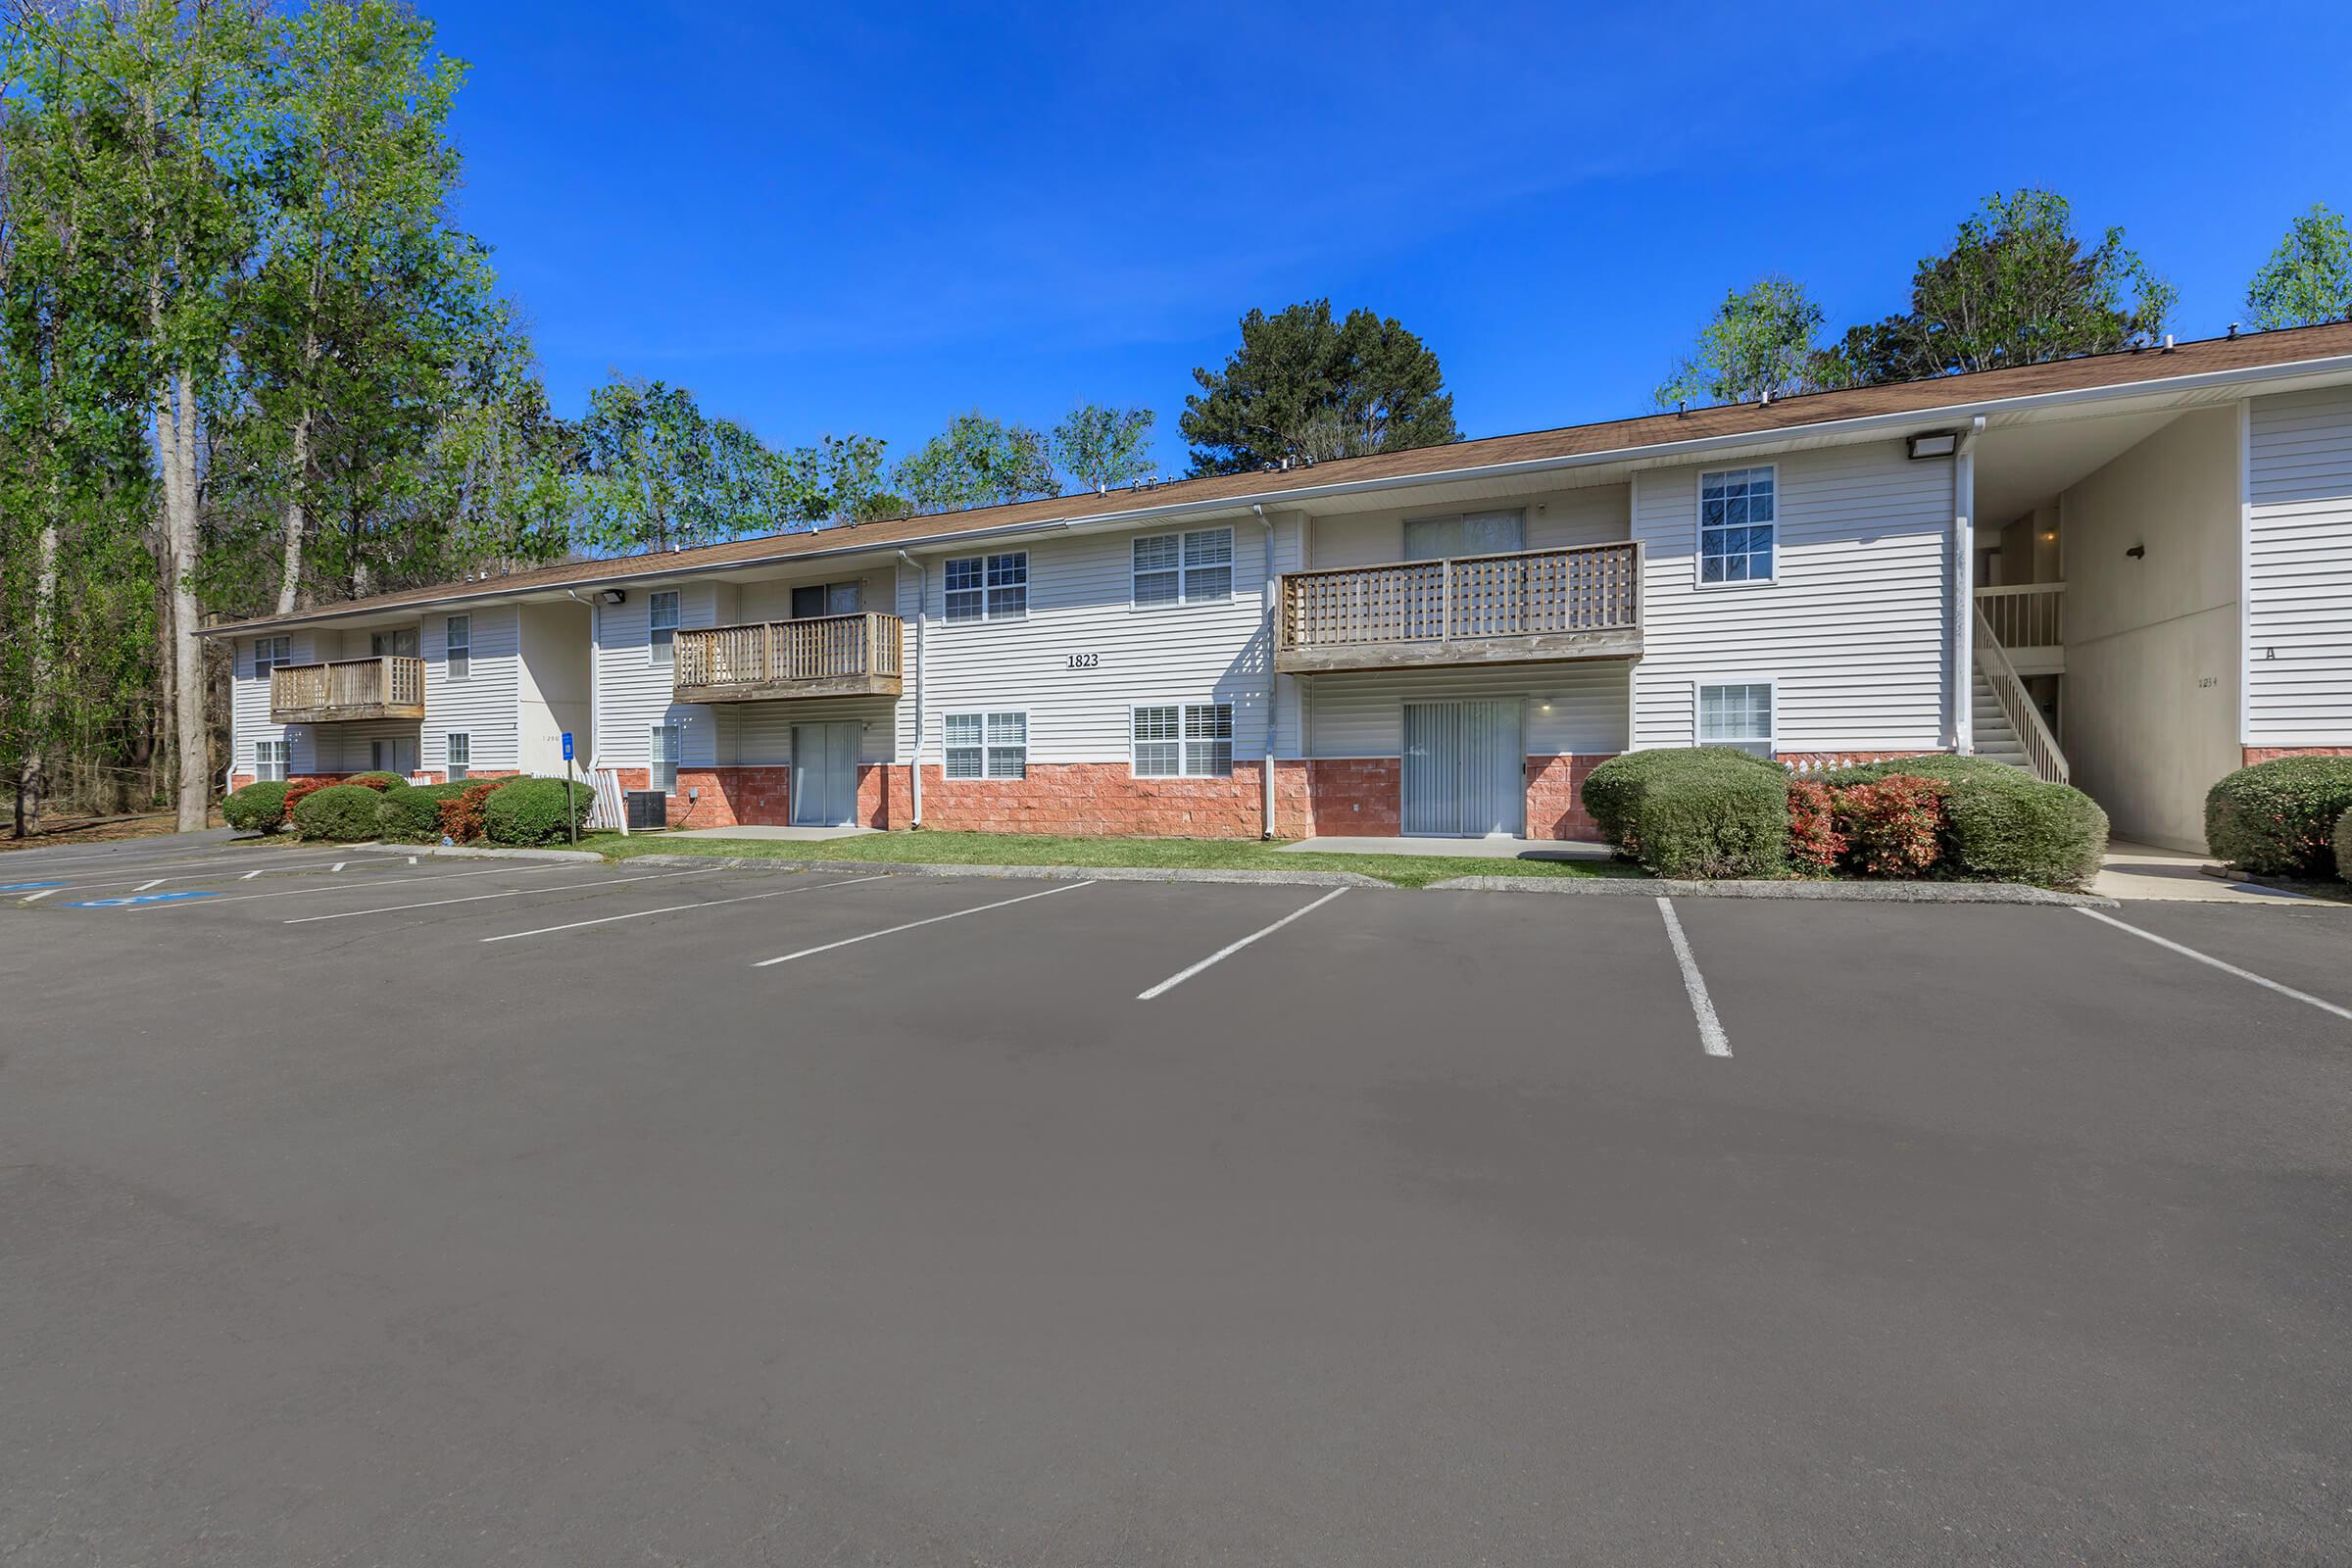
pixel 138 897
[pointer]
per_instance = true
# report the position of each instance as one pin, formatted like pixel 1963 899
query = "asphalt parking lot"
pixel 469 1210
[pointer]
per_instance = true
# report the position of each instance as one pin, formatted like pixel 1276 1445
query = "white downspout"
pixel 1270 595
pixel 922 619
pixel 596 637
pixel 1964 589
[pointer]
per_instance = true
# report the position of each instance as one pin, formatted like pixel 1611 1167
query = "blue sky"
pixel 822 221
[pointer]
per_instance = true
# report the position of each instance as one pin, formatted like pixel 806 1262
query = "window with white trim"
pixel 987 745
pixel 1737 509
pixel 459 646
pixel 1739 716
pixel 268 653
pixel 664 746
pixel 1188 568
pixel 662 624
pixel 987 587
pixel 1183 740
pixel 459 746
pixel 270 758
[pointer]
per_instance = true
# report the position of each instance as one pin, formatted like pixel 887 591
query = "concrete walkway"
pixel 799 835
pixel 2144 871
pixel 1476 848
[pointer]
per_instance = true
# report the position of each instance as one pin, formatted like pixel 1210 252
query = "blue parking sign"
pixel 567 746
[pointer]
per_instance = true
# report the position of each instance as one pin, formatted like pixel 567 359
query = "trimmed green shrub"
pixel 2278 818
pixel 376 781
pixel 1613 789
pixel 1711 818
pixel 411 813
pixel 534 811
pixel 258 807
pixel 2344 846
pixel 2001 823
pixel 341 812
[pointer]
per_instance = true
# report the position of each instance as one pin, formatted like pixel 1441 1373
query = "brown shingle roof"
pixel 2208 356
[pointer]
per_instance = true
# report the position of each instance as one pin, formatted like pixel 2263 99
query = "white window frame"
pixel 1772 696
pixel 659 649
pixel 451 767
pixel 269 754
pixel 1183 571
pixel 457 647
pixel 1699 525
pixel 987 590
pixel 988 746
pixel 653 761
pixel 1184 740
pixel 280 653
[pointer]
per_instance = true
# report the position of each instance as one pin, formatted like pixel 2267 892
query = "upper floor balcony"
pixel 387 686
pixel 1519 608
pixel 822 655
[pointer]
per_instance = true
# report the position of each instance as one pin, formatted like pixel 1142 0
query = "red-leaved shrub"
pixel 1814 843
pixel 462 818
pixel 1893 825
pixel 297 788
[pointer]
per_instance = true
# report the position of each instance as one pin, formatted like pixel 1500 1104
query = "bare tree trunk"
pixel 289 577
pixel 175 442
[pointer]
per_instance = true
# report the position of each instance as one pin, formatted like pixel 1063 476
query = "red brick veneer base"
pixel 2272 754
pixel 1555 797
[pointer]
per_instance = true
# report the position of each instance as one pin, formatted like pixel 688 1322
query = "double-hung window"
pixel 270 758
pixel 662 622
pixel 460 755
pixel 666 741
pixel 268 653
pixel 1184 569
pixel 1183 740
pixel 460 647
pixel 1739 716
pixel 1737 509
pixel 987 745
pixel 988 587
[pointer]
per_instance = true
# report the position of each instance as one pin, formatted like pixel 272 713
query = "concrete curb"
pixel 470 852
pixel 1031 873
pixel 1815 892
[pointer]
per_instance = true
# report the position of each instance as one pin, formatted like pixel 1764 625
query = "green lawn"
pixel 934 848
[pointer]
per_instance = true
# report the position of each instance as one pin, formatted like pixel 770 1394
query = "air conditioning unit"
pixel 646 809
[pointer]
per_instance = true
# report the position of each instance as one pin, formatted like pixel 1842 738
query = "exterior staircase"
pixel 2008 727
pixel 1996 738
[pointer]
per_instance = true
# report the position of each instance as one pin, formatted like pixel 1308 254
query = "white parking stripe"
pixel 851 942
pixel 1702 1007
pixel 144 886
pixel 1227 952
pixel 511 893
pixel 2226 969
pixel 224 862
pixel 250 875
pixel 35 897
pixel 673 908
pixel 362 887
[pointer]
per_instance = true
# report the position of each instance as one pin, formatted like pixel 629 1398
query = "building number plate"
pixel 1085 661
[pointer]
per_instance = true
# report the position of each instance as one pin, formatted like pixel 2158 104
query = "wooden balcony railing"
pixel 1581 603
pixel 823 656
pixel 389 686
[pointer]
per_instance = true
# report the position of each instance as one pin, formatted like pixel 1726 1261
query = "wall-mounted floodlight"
pixel 1941 445
pixel 613 596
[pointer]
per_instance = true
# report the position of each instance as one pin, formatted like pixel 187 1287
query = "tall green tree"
pixel 977 462
pixel 2018 286
pixel 2308 279
pixel 1101 448
pixel 1304 385
pixel 1759 344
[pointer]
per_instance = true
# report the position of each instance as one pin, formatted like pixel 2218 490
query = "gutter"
pixel 1964 589
pixel 1656 453
pixel 922 621
pixel 1269 596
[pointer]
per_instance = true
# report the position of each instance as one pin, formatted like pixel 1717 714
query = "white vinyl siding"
pixel 634 693
pixel 2298 569
pixel 1738 715
pixel 1854 629
pixel 1080 605
pixel 1555 519
pixel 1190 568
pixel 986 745
pixel 1574 709
pixel 485 705
pixel 249 699
pixel 1183 740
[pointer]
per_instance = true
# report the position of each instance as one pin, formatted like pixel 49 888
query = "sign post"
pixel 572 802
